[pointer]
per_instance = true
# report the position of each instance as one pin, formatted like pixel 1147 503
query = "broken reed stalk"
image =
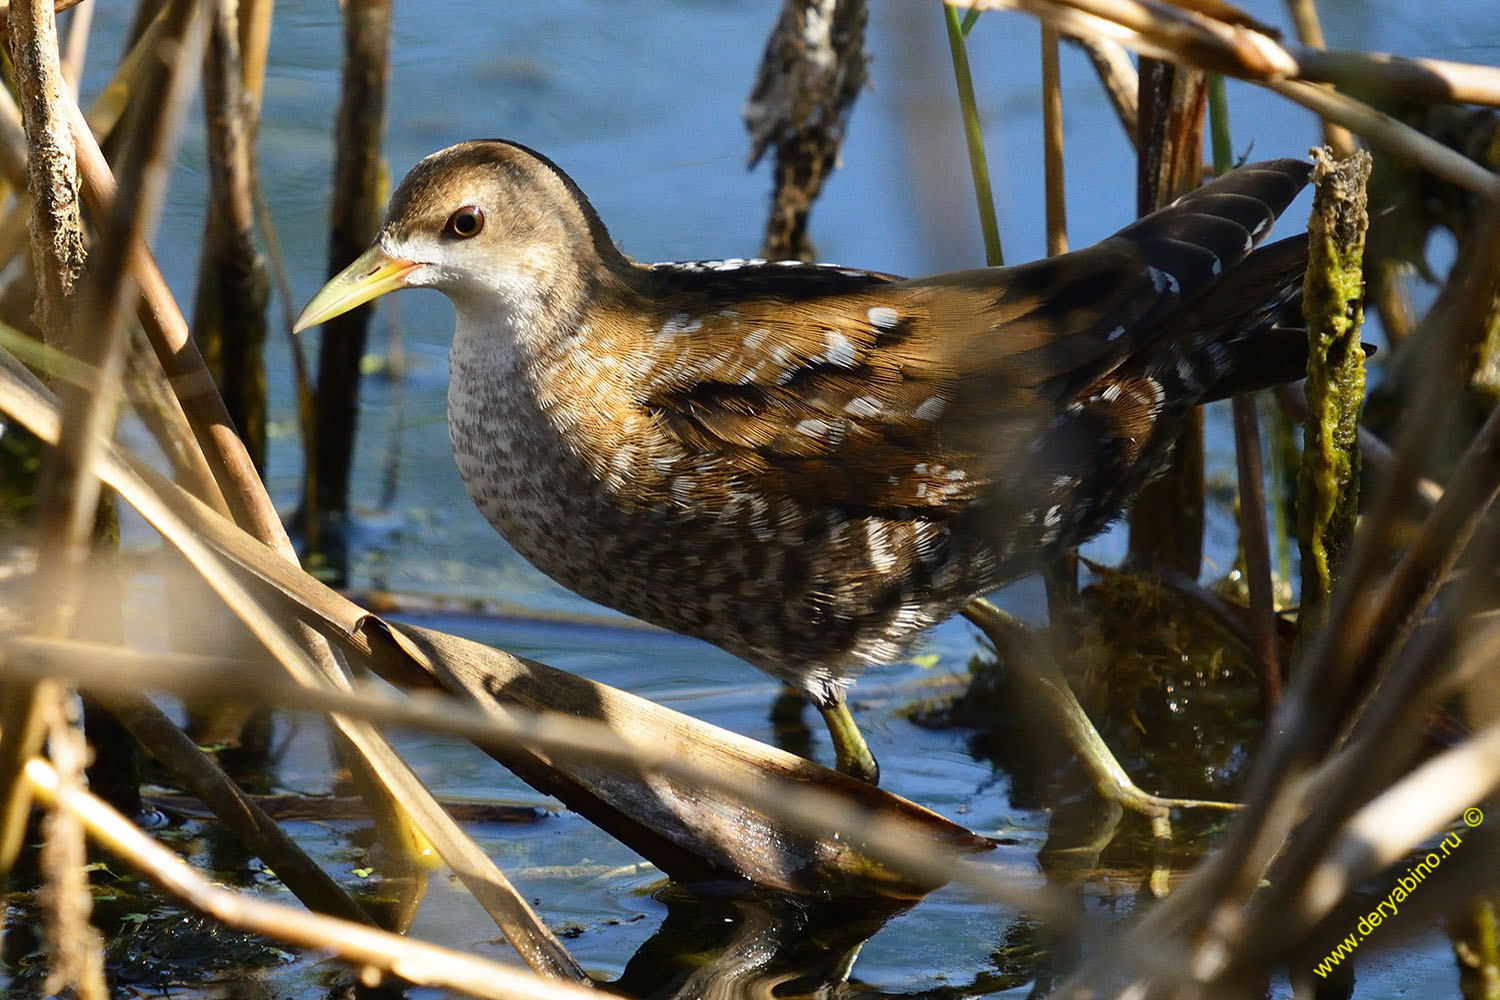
pixel 1332 306
pixel 800 103
pixel 1117 76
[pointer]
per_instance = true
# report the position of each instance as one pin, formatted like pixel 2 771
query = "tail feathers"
pixel 1240 337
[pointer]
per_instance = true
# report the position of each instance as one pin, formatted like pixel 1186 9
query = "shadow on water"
pixel 750 945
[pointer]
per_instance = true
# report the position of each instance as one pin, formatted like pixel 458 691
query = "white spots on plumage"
pixel 1063 482
pixel 699 266
pixel 838 349
pixel 878 541
pixel 863 406
pixel 930 408
pixel 910 617
pixel 1053 516
pixel 1111 392
pixel 882 317
pixel 683 488
pixel 921 491
pixel 1151 386
pixel 1115 334
pixel 679 324
pixel 755 338
pixel 920 469
pixel 813 427
pixel 1163 281
pixel 956 475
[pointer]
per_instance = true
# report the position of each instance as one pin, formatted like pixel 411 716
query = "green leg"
pixel 853 754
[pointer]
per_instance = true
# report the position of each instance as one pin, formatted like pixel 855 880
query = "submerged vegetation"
pixel 1272 751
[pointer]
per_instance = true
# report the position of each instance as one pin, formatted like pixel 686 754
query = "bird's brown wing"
pixel 915 397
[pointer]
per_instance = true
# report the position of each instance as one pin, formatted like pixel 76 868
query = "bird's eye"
pixel 465 222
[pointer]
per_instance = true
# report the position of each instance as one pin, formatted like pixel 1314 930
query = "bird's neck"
pixel 550 362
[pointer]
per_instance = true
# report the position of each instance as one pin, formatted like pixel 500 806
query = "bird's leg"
pixel 851 752
pixel 1044 682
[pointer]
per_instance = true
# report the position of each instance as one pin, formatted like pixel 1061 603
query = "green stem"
pixel 1218 124
pixel 974 138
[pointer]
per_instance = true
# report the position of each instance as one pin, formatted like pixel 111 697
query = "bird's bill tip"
pixel 372 275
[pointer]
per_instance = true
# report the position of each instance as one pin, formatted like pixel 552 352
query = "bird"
pixel 809 465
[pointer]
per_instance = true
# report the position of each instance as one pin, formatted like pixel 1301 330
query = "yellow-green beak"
pixel 371 275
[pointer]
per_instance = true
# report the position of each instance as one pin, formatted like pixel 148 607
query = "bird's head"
pixel 491 224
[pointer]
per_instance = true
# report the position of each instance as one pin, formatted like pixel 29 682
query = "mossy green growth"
pixel 1328 486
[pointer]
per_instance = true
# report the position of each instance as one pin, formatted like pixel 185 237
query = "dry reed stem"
pixel 890 840
pixel 201 776
pixel 151 394
pixel 1255 542
pixel 229 304
pixel 367 949
pixel 1287 785
pixel 1052 146
pixel 75 947
pixel 69 492
pixel 27 403
pixel 253 507
pixel 1163 32
pixel 97 333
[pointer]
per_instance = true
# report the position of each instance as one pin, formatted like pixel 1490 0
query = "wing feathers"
pixel 911 396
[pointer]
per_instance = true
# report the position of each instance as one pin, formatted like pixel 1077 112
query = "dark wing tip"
pixel 1224 219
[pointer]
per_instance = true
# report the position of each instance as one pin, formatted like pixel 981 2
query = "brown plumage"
pixel 808 465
